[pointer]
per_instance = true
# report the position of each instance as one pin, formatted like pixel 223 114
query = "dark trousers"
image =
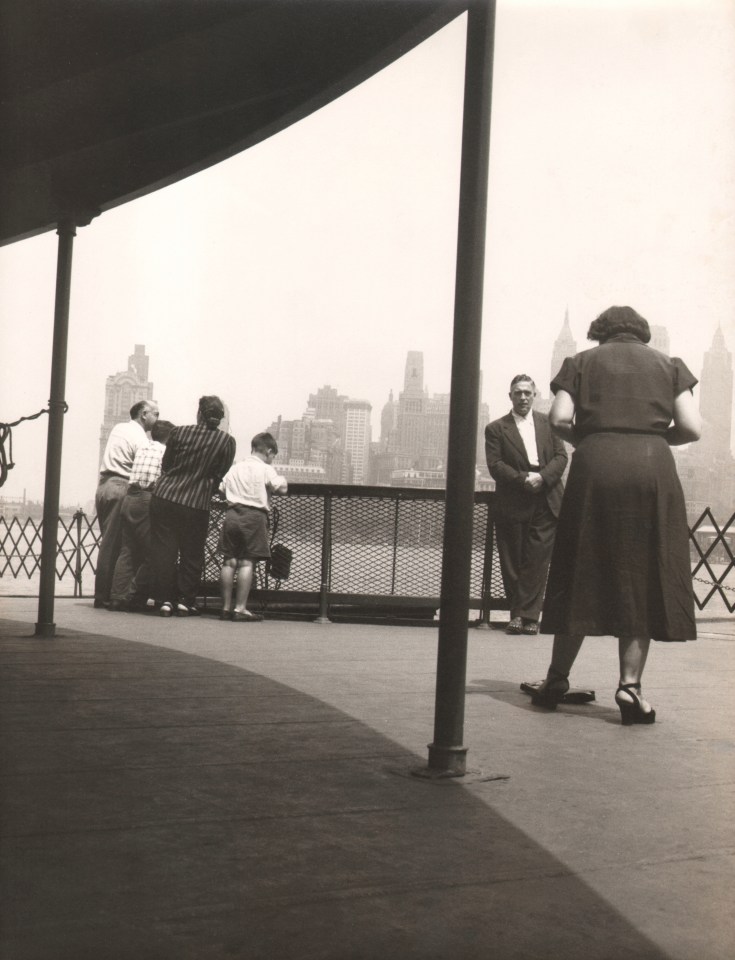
pixel 524 548
pixel 108 502
pixel 132 581
pixel 177 531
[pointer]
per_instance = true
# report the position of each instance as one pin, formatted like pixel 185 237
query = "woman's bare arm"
pixel 561 417
pixel 687 425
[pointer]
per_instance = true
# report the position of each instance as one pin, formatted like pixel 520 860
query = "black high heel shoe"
pixel 631 711
pixel 557 685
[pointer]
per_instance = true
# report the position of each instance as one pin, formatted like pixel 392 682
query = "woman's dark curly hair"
pixel 211 411
pixel 617 320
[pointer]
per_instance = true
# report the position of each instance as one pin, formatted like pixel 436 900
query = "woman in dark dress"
pixel 620 564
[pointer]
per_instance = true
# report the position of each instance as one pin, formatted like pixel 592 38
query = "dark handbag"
pixel 279 565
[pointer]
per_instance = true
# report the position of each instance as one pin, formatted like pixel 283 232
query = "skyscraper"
pixel 413 381
pixel 328 404
pixel 310 450
pixel 660 339
pixel 357 437
pixel 707 468
pixel 389 426
pixel 124 389
pixel 715 397
pixel 412 402
pixel 564 346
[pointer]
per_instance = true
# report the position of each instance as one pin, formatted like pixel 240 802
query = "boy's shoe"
pixel 186 610
pixel 246 617
pixel 515 626
pixel 225 614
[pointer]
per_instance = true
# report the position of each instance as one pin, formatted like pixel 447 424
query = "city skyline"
pixel 317 253
pixel 707 466
pixel 413 428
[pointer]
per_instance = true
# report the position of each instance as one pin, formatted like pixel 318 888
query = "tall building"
pixel 309 450
pixel 414 432
pixel 660 339
pixel 124 389
pixel 389 426
pixel 707 468
pixel 328 404
pixel 564 346
pixel 357 437
pixel 412 403
pixel 433 454
pixel 333 439
pixel 312 449
pixel 715 397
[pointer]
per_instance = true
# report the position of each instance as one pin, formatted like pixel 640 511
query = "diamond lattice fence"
pixel 713 570
pixel 20 547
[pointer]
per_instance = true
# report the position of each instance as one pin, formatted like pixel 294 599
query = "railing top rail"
pixel 347 490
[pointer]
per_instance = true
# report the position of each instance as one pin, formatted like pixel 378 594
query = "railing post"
pixel 483 623
pixel 78 561
pixel 395 549
pixel 326 568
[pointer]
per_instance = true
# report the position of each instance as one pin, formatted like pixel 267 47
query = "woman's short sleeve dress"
pixel 620 564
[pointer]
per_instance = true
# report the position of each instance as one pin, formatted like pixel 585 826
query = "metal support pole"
pixel 447 755
pixel 45 627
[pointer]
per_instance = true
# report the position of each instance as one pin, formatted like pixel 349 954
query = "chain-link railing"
pixel 366 548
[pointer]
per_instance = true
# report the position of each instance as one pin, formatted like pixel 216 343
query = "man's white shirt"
pixel 122 445
pixel 527 431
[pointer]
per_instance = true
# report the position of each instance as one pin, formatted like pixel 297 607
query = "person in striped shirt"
pixel 196 459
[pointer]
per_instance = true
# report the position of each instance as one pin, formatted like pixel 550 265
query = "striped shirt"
pixel 147 464
pixel 194 463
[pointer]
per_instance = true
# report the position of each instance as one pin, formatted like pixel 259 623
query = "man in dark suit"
pixel 526 461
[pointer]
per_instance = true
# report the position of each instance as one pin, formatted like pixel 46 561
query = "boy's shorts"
pixel 244 534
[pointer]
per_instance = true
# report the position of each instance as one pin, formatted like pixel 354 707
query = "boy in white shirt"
pixel 248 487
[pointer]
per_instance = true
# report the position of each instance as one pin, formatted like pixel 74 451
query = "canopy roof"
pixel 106 100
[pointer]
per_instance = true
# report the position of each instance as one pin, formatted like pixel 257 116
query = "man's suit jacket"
pixel 508 464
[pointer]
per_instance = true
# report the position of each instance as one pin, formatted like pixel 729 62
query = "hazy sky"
pixel 326 253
